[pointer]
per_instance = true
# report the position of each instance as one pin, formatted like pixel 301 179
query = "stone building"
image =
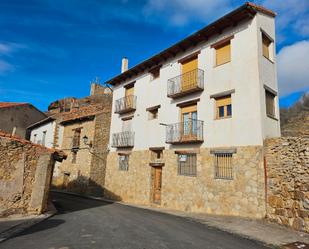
pixel 82 131
pixel 25 175
pixel 16 117
pixel 194 142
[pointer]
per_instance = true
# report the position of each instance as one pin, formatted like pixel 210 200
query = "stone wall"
pixel 244 195
pixel 287 162
pixel 25 174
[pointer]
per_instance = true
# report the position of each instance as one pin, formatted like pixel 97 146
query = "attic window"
pixel 155 73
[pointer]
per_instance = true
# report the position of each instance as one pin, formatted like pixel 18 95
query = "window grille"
pixel 187 164
pixel 124 162
pixel 223 166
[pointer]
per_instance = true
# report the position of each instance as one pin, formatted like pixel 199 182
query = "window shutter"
pixel 223 54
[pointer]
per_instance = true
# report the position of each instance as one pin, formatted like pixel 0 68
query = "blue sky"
pixel 51 49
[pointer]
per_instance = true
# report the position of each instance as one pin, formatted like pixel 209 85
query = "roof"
pixel 57 154
pixel 10 104
pixel 246 11
pixel 81 113
pixel 41 122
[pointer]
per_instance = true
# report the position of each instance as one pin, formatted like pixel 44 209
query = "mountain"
pixel 295 119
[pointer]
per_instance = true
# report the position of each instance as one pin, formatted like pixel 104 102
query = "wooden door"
pixel 157 183
pixel 189 74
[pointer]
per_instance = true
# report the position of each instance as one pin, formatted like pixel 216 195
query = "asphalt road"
pixel 84 223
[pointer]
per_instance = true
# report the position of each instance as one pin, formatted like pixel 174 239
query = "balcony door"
pixel 188 129
pixel 189 74
pixel 129 93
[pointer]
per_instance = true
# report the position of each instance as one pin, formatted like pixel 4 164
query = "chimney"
pixel 124 64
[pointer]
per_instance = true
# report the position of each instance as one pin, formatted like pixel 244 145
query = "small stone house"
pixel 84 137
pixel 16 117
pixel 188 124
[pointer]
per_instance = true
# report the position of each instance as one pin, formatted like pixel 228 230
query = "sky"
pixel 51 49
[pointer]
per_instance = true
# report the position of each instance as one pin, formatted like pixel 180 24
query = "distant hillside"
pixel 295 120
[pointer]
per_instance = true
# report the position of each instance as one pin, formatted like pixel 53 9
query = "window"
pixel 188 126
pixel 156 155
pixel 127 125
pixel 34 138
pixel 223 53
pixel 189 73
pixel 224 107
pixel 43 138
pixel 267 46
pixel 74 155
pixel 155 73
pixel 124 162
pixel 270 103
pixel 223 166
pixel 129 91
pixel 76 138
pixel 187 164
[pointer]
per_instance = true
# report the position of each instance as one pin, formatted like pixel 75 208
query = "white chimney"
pixel 124 64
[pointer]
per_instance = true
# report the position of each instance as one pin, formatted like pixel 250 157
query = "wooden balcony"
pixel 126 104
pixel 123 139
pixel 185 132
pixel 186 83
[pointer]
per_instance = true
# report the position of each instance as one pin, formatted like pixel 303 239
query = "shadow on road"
pixel 45 225
pixel 66 203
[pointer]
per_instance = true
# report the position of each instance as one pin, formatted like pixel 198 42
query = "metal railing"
pixel 123 139
pixel 187 82
pixel 124 104
pixel 189 131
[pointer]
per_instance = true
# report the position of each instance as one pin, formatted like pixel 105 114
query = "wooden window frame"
pixel 217 106
pixel 75 141
pixel 191 168
pixel 273 103
pixel 220 44
pixel 154 110
pixel 270 46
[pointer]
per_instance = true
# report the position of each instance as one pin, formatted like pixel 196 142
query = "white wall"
pixel 242 74
pixel 49 138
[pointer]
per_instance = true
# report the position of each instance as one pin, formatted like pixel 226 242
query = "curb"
pixel 15 230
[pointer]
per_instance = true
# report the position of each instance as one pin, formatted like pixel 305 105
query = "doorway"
pixel 156 184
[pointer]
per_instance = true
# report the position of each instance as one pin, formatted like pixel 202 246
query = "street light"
pixel 85 139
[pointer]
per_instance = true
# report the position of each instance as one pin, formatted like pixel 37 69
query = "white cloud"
pixel 181 12
pixel 293 68
pixel 5 48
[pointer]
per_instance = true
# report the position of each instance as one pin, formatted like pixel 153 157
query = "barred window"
pixel 124 162
pixel 187 164
pixel 223 166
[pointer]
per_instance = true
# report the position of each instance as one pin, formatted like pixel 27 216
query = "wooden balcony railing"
pixel 123 139
pixel 126 104
pixel 185 132
pixel 186 83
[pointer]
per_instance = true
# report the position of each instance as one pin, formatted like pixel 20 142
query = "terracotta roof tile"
pixel 10 104
pixel 83 112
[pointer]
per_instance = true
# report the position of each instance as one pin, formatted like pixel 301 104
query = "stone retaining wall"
pixel 287 162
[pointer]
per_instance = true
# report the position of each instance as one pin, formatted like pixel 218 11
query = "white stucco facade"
pixel 48 130
pixel 247 73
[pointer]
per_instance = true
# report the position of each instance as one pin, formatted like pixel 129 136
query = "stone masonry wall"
pixel 242 196
pixel 287 162
pixel 25 173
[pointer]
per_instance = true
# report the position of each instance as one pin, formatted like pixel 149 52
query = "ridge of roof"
pixel 11 104
pixel 246 10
